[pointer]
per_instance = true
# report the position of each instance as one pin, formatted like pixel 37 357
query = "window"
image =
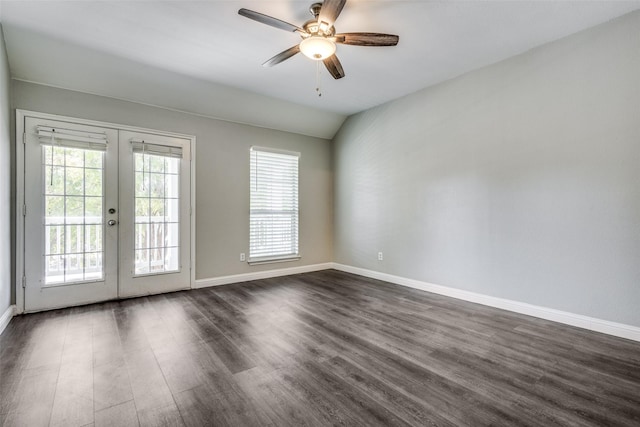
pixel 73 191
pixel 157 207
pixel 273 229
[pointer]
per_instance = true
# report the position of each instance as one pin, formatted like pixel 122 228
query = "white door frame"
pixel 20 190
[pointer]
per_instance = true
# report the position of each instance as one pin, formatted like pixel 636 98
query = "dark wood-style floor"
pixel 325 348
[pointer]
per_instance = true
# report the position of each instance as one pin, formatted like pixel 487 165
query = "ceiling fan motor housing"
pixel 312 27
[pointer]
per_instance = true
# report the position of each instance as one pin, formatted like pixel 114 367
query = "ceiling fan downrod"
pixel 314 9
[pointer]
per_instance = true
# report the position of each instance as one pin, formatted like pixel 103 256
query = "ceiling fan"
pixel 319 36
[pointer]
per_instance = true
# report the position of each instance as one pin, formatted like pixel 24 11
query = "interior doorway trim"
pixel 20 190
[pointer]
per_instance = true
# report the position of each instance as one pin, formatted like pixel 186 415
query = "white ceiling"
pixel 202 57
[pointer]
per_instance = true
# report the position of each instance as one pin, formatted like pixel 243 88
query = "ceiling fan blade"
pixel 334 67
pixel 367 39
pixel 282 56
pixel 329 13
pixel 269 20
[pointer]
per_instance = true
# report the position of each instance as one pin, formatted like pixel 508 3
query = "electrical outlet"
pixel 242 257
pixel 380 258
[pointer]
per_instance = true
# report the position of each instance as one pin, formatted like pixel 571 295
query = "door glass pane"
pixel 73 193
pixel 157 197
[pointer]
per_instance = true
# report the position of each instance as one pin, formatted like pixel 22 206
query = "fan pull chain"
pixel 318 79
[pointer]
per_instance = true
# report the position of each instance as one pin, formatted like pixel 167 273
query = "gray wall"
pixel 5 180
pixel 520 180
pixel 222 174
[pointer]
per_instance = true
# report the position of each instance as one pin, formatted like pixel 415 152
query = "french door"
pixel 155 211
pixel 106 213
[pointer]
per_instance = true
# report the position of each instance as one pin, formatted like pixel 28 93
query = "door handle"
pixel 112 222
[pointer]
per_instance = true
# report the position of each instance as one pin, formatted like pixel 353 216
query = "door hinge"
pixel 24 137
pixel 24 281
pixel 24 210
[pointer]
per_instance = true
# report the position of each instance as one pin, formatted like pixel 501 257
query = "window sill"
pixel 271 260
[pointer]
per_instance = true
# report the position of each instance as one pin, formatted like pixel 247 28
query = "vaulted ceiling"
pixel 202 57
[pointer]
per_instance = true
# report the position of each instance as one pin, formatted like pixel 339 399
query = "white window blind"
pixel 72 138
pixel 273 230
pixel 153 149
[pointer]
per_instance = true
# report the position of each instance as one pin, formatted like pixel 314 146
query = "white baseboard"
pixel 580 321
pixel 266 274
pixel 6 317
pixel 590 323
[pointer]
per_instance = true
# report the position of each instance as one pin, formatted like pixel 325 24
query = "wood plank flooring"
pixel 316 349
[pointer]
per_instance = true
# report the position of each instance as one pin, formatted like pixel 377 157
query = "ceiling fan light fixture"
pixel 317 48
